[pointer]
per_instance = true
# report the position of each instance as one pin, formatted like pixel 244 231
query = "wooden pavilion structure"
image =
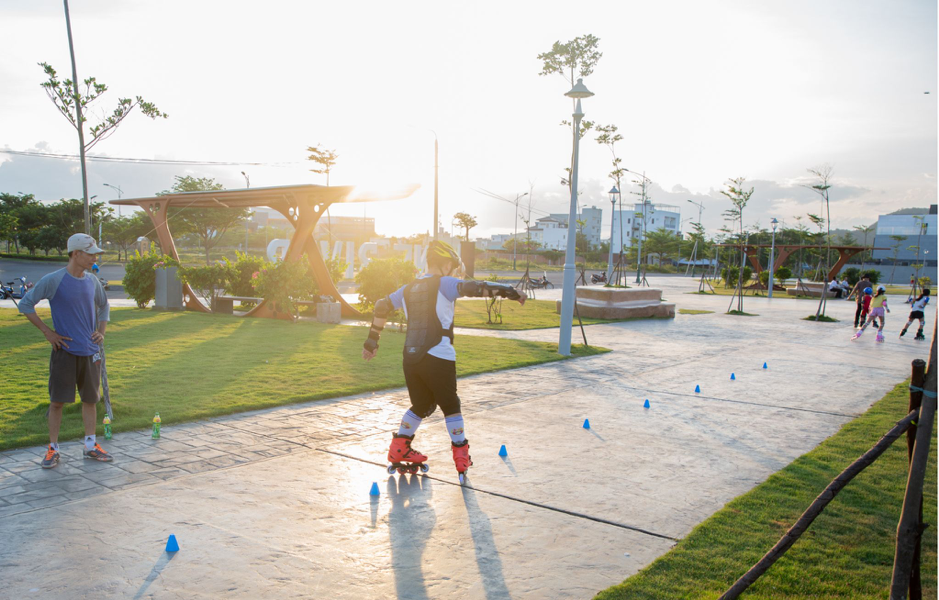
pixel 301 205
pixel 784 251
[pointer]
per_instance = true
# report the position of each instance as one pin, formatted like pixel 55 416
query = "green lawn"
pixel 536 314
pixel 191 366
pixel 846 553
pixel 692 311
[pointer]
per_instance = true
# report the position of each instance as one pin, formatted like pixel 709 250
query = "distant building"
pixel 657 216
pixel 550 233
pixel 592 217
pixel 915 229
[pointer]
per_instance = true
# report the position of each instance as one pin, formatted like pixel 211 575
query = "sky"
pixel 701 92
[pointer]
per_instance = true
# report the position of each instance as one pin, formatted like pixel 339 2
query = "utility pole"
pixel 436 172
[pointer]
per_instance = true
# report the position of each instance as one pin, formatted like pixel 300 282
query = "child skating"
pixel 916 313
pixel 878 309
pixel 429 357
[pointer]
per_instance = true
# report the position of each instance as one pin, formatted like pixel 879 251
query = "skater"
pixel 858 293
pixel 878 309
pixel 80 314
pixel 916 312
pixel 429 356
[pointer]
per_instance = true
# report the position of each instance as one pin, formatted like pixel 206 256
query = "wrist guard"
pixel 374 334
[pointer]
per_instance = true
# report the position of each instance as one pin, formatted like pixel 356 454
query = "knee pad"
pixel 426 413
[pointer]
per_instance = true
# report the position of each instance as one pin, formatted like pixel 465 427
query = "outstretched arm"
pixel 488 289
pixel 383 308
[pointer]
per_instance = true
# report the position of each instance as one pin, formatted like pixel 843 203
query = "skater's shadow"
pixel 411 520
pixel 155 572
pixel 487 556
pixel 599 437
pixel 508 463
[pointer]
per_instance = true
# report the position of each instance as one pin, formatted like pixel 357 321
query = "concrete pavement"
pixel 275 503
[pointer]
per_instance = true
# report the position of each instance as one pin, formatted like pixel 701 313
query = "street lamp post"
pixel 614 194
pixel 119 193
pixel 772 256
pixel 568 294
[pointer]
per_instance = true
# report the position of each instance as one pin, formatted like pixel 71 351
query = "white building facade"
pixel 657 216
pixel 550 233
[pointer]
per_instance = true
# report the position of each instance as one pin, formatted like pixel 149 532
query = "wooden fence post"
pixel 917 379
pixel 909 527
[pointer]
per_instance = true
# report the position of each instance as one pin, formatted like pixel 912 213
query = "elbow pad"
pixel 383 308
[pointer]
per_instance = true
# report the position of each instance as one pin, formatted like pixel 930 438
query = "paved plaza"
pixel 275 503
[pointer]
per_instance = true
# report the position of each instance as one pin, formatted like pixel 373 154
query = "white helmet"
pixel 881 288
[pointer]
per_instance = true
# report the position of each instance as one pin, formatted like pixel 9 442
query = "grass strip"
pixel 846 553
pixel 693 311
pixel 191 366
pixel 536 314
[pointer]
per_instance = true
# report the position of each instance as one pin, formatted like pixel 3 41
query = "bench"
pixel 807 289
pixel 329 312
pixel 226 304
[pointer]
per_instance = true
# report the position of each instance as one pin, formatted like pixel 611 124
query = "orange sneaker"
pixel 461 457
pixel 52 458
pixel 402 452
pixel 98 453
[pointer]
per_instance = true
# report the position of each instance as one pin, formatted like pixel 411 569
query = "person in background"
pixel 916 312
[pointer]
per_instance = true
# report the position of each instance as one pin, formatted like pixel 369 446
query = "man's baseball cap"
pixel 83 242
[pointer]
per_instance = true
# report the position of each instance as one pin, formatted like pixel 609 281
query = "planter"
pixel 328 312
pixel 169 290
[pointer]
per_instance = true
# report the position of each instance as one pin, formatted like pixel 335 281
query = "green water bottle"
pixel 107 428
pixel 156 427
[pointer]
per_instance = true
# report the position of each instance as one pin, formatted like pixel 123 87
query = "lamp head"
pixel 774 223
pixel 614 193
pixel 579 90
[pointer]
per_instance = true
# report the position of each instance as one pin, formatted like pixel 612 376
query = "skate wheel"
pixel 392 469
pixel 425 467
pixel 462 477
pixel 412 469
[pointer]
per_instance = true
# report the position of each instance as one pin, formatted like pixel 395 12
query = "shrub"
pixel 139 278
pixel 782 274
pixel 206 280
pixel 924 282
pixel 380 277
pixel 284 282
pixel 241 275
pixel 731 274
pixel 853 275
pixel 873 273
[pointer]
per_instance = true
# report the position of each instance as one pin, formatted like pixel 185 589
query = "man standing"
pixel 858 292
pixel 80 313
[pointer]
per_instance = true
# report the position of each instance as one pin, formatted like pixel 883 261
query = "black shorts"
pixel 68 372
pixel 917 314
pixel 432 383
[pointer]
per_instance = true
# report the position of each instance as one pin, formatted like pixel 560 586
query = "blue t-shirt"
pixel 78 305
pixel 447 294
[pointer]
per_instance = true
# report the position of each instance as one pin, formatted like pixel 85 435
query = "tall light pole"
pixel 436 171
pixel 614 195
pixel 120 192
pixel 772 256
pixel 568 293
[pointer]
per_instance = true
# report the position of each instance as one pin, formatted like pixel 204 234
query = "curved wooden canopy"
pixel 301 205
pixel 785 250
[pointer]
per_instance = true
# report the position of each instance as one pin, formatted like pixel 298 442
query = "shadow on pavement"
pixel 161 563
pixel 487 556
pixel 411 520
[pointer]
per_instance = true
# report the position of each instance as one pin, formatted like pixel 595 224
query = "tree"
pixel 898 242
pixel 465 221
pixel 580 55
pixel 73 103
pixel 738 198
pixel 208 224
pixel 122 232
pixel 326 159
pixel 821 187
pixel 11 205
pixel 528 245
pixel 865 230
pixel 661 243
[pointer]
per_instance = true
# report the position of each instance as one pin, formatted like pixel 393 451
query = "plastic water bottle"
pixel 156 427
pixel 107 428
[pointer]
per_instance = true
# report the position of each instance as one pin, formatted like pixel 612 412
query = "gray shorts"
pixel 68 372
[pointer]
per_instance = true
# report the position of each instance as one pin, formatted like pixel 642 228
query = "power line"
pixel 149 160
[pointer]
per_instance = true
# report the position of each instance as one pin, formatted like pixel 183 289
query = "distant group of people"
pixel 840 289
pixel 872 306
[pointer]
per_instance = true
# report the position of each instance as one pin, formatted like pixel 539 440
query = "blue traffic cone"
pixel 503 451
pixel 732 378
pixel 646 405
pixel 764 366
pixel 172 545
pixel 374 491
pixel 586 423
pixel 697 389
